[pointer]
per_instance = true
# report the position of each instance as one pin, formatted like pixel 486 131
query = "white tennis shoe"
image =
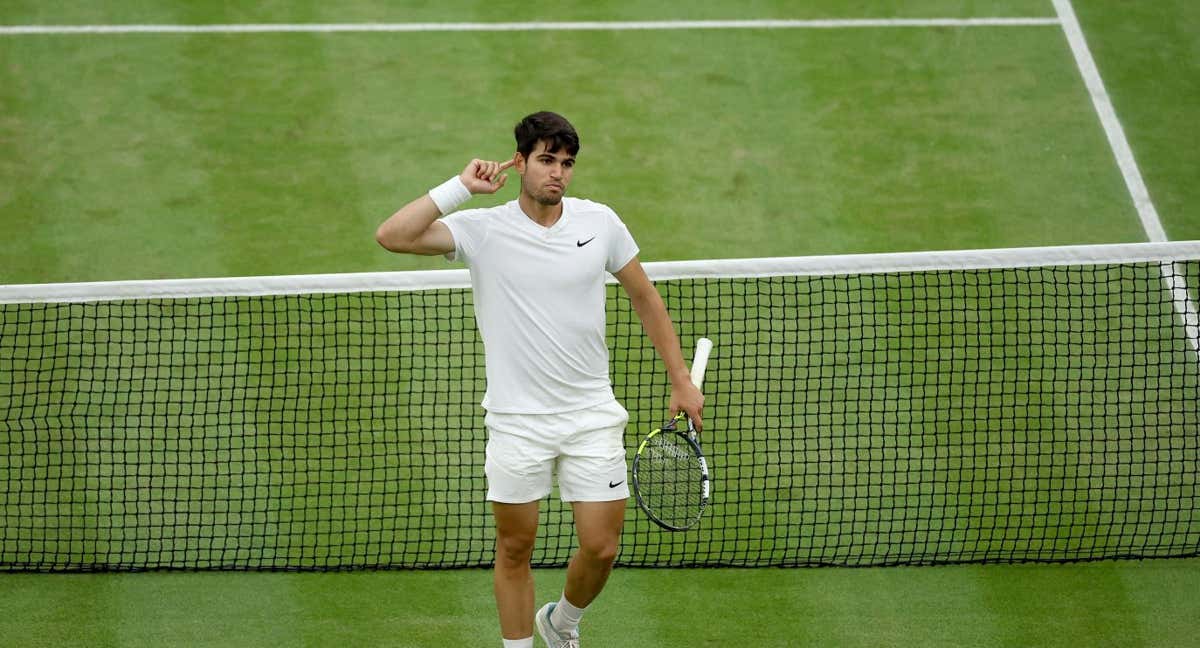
pixel 551 636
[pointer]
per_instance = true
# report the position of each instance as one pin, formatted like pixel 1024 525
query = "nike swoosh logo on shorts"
pixel 612 485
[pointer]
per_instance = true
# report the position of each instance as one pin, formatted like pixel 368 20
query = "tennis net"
pixel 1036 404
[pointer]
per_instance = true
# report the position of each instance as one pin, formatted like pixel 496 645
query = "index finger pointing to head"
pixel 509 163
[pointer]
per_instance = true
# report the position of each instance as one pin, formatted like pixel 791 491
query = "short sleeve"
pixel 621 246
pixel 469 230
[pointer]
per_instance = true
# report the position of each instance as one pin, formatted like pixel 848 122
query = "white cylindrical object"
pixel 700 362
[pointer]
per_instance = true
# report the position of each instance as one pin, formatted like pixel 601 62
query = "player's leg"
pixel 519 470
pixel 598 525
pixel 516 530
pixel 592 477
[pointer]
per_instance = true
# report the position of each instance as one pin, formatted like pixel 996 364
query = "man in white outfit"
pixel 538 266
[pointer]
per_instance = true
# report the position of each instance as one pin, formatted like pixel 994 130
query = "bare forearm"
pixel 411 229
pixel 657 323
pixel 685 397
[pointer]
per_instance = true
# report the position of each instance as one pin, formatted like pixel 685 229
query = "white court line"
pixel 1172 273
pixel 1185 306
pixel 848 23
pixel 1108 118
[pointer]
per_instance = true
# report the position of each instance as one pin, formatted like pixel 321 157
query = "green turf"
pixel 232 155
pixel 1150 58
pixel 1125 604
pixel 166 156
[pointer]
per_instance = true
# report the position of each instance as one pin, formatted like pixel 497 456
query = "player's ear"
pixel 519 163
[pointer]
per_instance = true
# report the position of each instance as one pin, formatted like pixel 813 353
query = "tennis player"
pixel 538 266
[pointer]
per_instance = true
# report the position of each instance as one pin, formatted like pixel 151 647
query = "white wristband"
pixel 450 194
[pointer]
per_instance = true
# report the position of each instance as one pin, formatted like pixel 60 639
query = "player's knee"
pixel 600 550
pixel 514 549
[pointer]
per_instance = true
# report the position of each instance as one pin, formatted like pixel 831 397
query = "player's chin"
pixel 548 197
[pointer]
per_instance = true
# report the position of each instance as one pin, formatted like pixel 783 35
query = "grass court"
pixel 175 155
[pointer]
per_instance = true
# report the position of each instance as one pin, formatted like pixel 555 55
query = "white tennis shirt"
pixel 539 301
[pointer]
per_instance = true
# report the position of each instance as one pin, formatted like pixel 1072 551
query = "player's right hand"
pixel 484 176
pixel 687 398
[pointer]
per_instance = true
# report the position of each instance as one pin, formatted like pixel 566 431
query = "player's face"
pixel 545 175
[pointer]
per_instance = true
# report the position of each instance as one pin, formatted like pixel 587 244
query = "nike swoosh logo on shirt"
pixel 583 243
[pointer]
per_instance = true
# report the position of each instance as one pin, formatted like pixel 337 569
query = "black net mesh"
pixel 1034 414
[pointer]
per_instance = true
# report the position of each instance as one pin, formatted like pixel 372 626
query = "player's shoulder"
pixel 479 215
pixel 493 210
pixel 586 207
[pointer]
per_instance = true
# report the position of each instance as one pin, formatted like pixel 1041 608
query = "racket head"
pixel 670 477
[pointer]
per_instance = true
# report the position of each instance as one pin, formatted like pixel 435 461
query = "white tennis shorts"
pixel 586 448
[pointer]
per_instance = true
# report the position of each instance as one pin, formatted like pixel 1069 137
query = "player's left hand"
pixel 687 398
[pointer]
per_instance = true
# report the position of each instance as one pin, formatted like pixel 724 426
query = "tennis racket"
pixel 670 475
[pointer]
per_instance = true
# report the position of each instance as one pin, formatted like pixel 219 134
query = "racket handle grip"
pixel 700 361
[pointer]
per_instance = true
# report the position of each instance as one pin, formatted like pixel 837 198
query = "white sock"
pixel 518 643
pixel 565 617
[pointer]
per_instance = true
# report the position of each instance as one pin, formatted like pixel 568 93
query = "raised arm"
pixel 415 228
pixel 685 396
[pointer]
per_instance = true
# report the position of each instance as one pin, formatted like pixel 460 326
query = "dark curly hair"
pixel 552 127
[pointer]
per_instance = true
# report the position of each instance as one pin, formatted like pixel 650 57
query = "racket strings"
pixel 670 480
